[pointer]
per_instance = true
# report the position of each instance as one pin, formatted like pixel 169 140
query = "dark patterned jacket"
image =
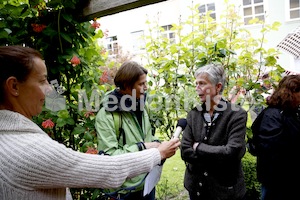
pixel 214 169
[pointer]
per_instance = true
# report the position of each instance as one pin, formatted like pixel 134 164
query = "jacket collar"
pixel 220 107
pixel 117 101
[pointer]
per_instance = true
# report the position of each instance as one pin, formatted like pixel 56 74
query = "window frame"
pixel 253 15
pixel 288 11
pixel 206 10
pixel 167 33
pixel 138 42
pixel 114 50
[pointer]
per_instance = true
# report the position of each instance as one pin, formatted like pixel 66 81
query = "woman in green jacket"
pixel 123 124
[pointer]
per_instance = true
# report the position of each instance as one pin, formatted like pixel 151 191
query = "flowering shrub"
pixel 73 60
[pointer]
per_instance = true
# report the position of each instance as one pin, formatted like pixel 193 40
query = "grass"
pixel 170 185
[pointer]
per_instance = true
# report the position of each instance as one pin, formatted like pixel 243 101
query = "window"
pixel 112 45
pixel 138 41
pixel 203 9
pixel 294 9
pixel 168 33
pixel 253 9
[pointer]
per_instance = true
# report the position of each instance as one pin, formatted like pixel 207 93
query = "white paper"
pixel 152 179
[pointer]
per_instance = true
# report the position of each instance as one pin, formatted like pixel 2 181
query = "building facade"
pixel 124 29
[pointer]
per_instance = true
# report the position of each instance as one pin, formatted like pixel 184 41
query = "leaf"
pixel 64 114
pixel 78 130
pixel 60 122
pixel 66 37
pixel 96 193
pixel 3 33
pixel 86 145
pixel 222 53
pixel 231 51
pixel 25 8
pixel 88 136
pixel 70 121
pixel 67 17
pixel 49 31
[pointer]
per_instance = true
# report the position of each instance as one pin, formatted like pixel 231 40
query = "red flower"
pixel 89 113
pixel 48 123
pixel 105 77
pixel 38 27
pixel 91 150
pixel 75 61
pixel 95 24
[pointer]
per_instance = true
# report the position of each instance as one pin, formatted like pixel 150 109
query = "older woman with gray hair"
pixel 213 142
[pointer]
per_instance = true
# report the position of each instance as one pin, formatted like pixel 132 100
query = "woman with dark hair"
pixel 276 136
pixel 134 131
pixel 32 165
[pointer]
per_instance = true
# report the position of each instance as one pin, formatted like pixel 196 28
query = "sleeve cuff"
pixel 156 141
pixel 141 146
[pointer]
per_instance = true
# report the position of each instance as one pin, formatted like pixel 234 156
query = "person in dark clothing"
pixel 213 142
pixel 275 142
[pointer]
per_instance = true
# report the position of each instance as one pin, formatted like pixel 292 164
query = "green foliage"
pixel 252 184
pixel 54 28
pixel 172 65
pixel 170 185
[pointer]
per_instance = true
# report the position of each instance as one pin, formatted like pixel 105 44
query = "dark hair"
pixel 283 96
pixel 128 74
pixel 15 61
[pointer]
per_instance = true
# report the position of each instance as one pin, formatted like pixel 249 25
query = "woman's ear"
pixel 12 86
pixel 219 87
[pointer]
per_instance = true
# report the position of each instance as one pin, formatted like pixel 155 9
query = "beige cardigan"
pixel 33 166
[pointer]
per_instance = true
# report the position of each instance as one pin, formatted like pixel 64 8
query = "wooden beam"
pixel 100 8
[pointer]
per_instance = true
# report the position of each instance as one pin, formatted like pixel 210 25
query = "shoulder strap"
pixel 118 126
pixel 117 122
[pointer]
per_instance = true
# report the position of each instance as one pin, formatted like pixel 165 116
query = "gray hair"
pixel 215 73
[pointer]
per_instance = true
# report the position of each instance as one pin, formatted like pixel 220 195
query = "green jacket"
pixel 134 133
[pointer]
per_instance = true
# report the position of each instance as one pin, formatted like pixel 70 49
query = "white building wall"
pixel 168 12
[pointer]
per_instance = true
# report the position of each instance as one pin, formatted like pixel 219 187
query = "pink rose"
pixel 75 61
pixel 92 150
pixel 95 24
pixel 48 123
